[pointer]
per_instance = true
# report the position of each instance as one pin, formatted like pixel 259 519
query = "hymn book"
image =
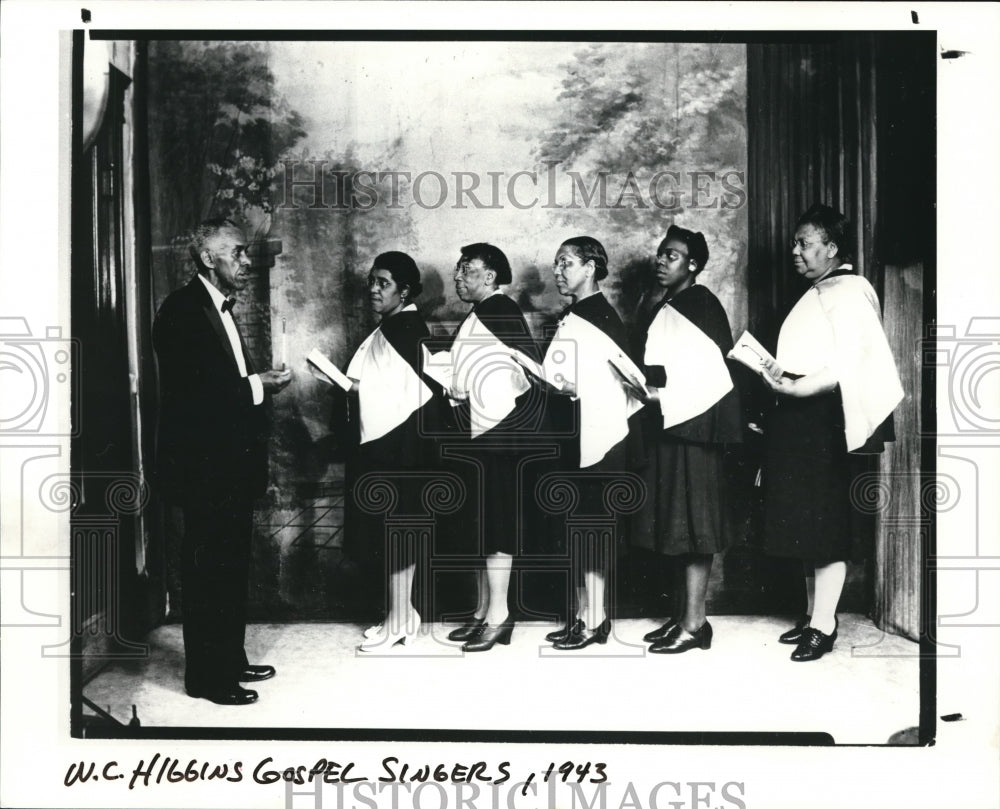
pixel 754 356
pixel 316 358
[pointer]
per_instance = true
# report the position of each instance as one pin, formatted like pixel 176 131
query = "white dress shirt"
pixel 256 386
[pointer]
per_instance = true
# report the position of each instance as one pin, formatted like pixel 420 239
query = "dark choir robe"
pixel 817 446
pixel 597 425
pixel 392 413
pixel 499 415
pixel 689 509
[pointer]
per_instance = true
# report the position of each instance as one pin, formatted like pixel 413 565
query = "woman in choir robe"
pixel 393 401
pixel 591 333
pixel 834 400
pixel 496 409
pixel 694 410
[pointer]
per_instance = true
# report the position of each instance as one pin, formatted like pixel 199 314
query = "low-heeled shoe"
pixel 680 640
pixel 561 634
pixel 814 645
pixel 794 635
pixel 584 637
pixel 234 695
pixel 660 632
pixel 383 641
pixel 254 674
pixel 488 635
pixel 467 630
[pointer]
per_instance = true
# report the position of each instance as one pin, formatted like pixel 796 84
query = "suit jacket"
pixel 212 438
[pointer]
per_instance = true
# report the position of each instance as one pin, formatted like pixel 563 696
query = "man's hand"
pixel 275 381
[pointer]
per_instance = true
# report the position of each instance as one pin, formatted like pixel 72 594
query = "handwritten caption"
pixel 162 769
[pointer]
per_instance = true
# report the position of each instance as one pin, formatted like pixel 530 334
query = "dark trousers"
pixel 214 578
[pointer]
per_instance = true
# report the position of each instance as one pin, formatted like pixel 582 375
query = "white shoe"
pixel 380 639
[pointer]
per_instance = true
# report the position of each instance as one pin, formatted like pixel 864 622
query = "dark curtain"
pixel 849 121
pixel 107 494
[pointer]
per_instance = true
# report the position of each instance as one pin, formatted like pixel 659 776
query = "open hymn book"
pixel 629 373
pixel 316 358
pixel 438 366
pixel 536 369
pixel 754 356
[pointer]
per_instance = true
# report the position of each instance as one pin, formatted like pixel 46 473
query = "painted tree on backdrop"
pixel 217 130
pixel 648 108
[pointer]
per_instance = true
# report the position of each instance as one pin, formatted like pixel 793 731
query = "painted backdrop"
pixel 332 152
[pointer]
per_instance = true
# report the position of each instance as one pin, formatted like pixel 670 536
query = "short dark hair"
pixel 403 270
pixel 835 226
pixel 589 249
pixel 492 258
pixel 203 234
pixel 695 242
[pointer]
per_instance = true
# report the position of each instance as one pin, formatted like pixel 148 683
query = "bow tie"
pixel 227 305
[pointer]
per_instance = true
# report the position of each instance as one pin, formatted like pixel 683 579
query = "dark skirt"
pixel 599 524
pixel 807 477
pixel 496 526
pixel 688 508
pixel 385 478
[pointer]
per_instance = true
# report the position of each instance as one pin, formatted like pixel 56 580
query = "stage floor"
pixel 865 692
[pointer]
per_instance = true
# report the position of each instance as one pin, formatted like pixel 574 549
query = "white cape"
pixel 389 390
pixel 483 370
pixel 837 324
pixel 697 376
pixel 579 354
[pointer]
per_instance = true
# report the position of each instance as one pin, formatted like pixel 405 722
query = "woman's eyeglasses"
pixel 802 244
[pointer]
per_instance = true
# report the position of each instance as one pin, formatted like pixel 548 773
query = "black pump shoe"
pixel 794 635
pixel 467 630
pixel 659 633
pixel 814 645
pixel 680 640
pixel 487 636
pixel 571 628
pixel 584 637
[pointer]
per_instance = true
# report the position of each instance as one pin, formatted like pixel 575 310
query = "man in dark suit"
pixel 212 458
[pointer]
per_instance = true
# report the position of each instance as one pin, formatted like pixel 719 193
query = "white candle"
pixel 284 346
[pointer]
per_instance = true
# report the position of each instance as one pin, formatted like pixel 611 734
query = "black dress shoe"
pixel 467 630
pixel 794 635
pixel 659 633
pixel 814 645
pixel 680 640
pixel 253 674
pixel 584 637
pixel 487 636
pixel 561 634
pixel 234 695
